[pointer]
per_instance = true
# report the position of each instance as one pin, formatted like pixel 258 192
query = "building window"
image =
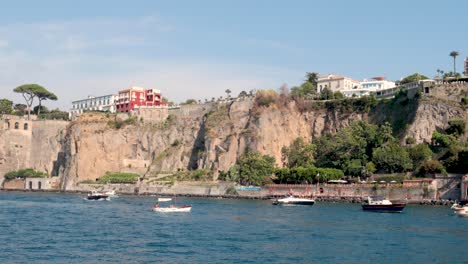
pixel 26 126
pixel 16 125
pixel 39 185
pixel 8 124
pixel 30 185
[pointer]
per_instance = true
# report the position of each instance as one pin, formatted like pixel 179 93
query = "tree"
pixel 189 102
pixel 419 154
pixel 351 148
pixel 312 78
pixel 298 154
pixel 456 127
pixel 326 94
pixel 454 54
pixel 42 109
pixel 392 158
pixel 254 168
pixel 43 94
pixel 19 109
pixel 243 94
pixel 338 95
pixel 228 92
pixel 413 78
pixel 306 89
pixel 430 167
pixel 6 106
pixel 29 93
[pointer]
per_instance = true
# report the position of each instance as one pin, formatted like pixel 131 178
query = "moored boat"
pixel 291 200
pixel 172 209
pixel 380 204
pixel 462 211
pixel 461 208
pixel 97 196
pixel 164 199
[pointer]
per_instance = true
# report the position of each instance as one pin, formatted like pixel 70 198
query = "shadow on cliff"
pixel 198 146
pixel 399 112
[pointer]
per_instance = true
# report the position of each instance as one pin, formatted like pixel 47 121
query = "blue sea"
pixel 65 228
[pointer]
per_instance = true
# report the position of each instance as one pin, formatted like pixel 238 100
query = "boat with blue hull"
pixel 380 204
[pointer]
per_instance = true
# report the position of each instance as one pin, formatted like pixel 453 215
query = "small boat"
pixel 462 211
pixel 172 209
pixel 380 204
pixel 97 196
pixel 461 208
pixel 291 200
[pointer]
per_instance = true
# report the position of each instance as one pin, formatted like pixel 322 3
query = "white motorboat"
pixel 172 209
pixel 461 211
pixel 291 200
pixel 97 196
pixel 461 208
pixel 164 199
pixel 380 204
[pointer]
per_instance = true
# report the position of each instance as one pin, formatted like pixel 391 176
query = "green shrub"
pixel 25 173
pixel 266 98
pixel 464 101
pixel 117 124
pixel 442 140
pixel 119 177
pixel 430 167
pixel 456 127
pixel 410 141
pixel 308 174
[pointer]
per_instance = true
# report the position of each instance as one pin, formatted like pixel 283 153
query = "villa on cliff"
pixel 378 86
pixel 124 101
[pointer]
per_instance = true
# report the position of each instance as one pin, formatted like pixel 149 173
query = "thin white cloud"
pixel 70 58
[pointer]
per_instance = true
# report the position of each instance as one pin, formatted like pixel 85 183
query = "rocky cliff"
pixel 33 144
pixel 210 136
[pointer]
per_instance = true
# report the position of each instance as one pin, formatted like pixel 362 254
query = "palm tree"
pixel 454 54
pixel 438 72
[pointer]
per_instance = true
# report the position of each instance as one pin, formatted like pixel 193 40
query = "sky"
pixel 198 49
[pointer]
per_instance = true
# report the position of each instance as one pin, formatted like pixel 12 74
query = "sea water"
pixel 65 228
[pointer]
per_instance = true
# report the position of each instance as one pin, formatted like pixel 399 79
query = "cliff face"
pixel 433 116
pixel 210 136
pixel 36 147
pixel 197 137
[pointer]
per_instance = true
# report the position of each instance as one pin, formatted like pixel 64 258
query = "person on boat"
pixel 156 205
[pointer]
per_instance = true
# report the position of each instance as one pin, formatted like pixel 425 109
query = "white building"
pixel 99 103
pixel 377 85
pixel 336 83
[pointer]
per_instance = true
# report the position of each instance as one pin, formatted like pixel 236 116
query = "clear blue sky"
pixel 198 49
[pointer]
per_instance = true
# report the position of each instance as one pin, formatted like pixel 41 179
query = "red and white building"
pixel 136 97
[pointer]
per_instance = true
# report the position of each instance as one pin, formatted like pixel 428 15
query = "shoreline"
pixel 326 199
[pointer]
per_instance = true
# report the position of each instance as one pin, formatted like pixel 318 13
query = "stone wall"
pixel 151 115
pixel 39 183
pixel 391 191
pixel 16 184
